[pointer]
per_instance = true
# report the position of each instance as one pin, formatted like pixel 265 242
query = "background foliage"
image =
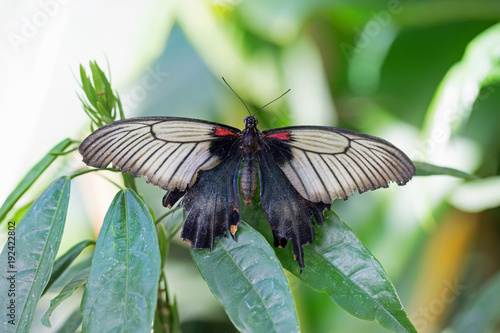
pixel 422 74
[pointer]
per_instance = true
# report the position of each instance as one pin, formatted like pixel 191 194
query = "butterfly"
pixel 301 171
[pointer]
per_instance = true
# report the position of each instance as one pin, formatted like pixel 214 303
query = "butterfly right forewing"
pixel 328 163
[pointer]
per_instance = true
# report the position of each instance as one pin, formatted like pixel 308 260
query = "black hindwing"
pixel 289 214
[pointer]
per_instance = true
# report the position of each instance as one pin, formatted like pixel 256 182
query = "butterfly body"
pixel 251 141
pixel 300 169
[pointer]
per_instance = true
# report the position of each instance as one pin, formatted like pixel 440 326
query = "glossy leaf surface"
pixel 249 282
pixel 121 292
pixel 29 255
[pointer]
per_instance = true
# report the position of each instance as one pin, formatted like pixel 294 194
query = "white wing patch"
pixel 320 141
pixel 329 163
pixel 168 152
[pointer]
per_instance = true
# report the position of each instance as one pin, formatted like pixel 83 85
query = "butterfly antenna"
pixel 274 100
pixel 242 101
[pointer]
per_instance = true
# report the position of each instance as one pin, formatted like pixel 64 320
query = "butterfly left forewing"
pixel 168 151
pixel 327 163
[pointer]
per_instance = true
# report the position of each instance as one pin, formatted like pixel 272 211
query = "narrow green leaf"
pixel 104 113
pixel 121 292
pixel 340 265
pixel 175 316
pixel 166 314
pixel 67 291
pixel 31 176
pixel 87 108
pixel 110 97
pixel 71 323
pixel 72 271
pixel 426 169
pixel 18 213
pixel 104 103
pixel 84 79
pixel 83 74
pixel 120 109
pixel 163 243
pixel 249 282
pixel 481 313
pixel 61 264
pixel 97 78
pixel 29 256
pixel 87 87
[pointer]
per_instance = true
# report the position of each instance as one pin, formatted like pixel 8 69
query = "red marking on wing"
pixel 223 132
pixel 283 136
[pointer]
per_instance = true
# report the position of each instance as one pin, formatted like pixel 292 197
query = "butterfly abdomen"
pixel 251 142
pixel 248 182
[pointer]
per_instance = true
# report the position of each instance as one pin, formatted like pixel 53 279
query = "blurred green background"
pixel 422 74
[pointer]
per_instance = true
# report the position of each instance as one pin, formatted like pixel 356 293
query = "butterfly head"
pixel 250 122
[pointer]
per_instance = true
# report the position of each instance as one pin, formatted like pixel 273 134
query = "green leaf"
pixel 166 314
pixel 105 113
pixel 249 282
pixel 31 177
pixel 175 316
pixel 18 213
pixel 102 98
pixel 108 91
pixel 119 104
pixel 426 169
pixel 481 313
pixel 37 240
pixel 121 292
pixel 87 87
pixel 97 78
pixel 67 291
pixel 340 265
pixel 71 323
pixel 163 242
pixel 61 264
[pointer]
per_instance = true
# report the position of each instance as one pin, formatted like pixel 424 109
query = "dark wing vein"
pixel 297 174
pixel 382 181
pixel 184 160
pixel 319 177
pixel 122 149
pixel 357 169
pixel 342 195
pixel 165 159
